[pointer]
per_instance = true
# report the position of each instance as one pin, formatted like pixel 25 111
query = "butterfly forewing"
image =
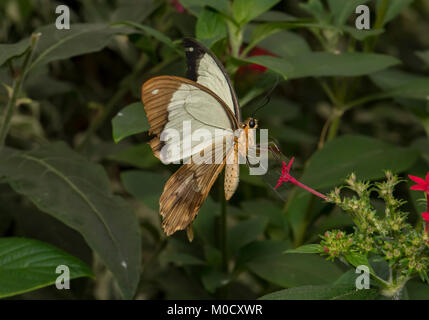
pixel 205 69
pixel 177 103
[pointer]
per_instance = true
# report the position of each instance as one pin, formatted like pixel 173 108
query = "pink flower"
pixel 422 185
pixel 286 177
pixel 176 4
pixel 425 216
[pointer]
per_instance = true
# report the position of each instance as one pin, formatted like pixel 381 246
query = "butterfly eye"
pixel 252 123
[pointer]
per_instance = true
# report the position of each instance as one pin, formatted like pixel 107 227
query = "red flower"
pixel 286 177
pixel 422 185
pixel 256 51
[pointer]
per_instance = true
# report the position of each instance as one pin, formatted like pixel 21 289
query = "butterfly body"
pixel 206 101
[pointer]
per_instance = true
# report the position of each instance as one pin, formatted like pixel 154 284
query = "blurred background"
pixel 365 113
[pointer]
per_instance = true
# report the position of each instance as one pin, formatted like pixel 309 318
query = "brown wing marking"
pixel 156 96
pixel 185 191
pixel 184 194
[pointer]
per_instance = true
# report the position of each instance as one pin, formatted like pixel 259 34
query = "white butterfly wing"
pixel 205 69
pixel 173 105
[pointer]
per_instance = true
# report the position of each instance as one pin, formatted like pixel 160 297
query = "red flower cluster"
pixel 422 185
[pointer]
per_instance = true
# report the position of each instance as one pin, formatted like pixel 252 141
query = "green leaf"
pixel 341 10
pixel 320 64
pixel 68 187
pixel 254 180
pixel 322 292
pixel 281 66
pixel 417 290
pixel 401 84
pixel 8 51
pixel 213 279
pixel 416 89
pixel 264 208
pixel 196 6
pixel 362 34
pixel 423 55
pixel 245 232
pixel 134 10
pixel 258 249
pixel 205 220
pixel 367 157
pixel 247 10
pixel 82 38
pixel 274 15
pixel 27 265
pixel 285 44
pixel 291 270
pixel 211 27
pixel 392 78
pixel 357 259
pixel 315 8
pixel 394 8
pixel 180 259
pixel 130 120
pixel 145 186
pixel 139 156
pixel 308 248
pixel 161 37
pixel 264 30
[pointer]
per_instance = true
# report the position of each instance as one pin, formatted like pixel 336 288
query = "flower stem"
pixel 10 108
pixel 393 291
pixel 303 186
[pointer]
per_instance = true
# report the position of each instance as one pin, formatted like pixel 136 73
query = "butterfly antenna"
pixel 267 97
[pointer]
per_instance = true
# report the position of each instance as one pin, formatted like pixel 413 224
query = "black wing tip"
pixel 194 51
pixel 191 42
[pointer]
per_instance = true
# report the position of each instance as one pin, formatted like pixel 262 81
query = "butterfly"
pixel 206 99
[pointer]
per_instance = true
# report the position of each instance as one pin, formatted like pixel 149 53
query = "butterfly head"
pixel 250 123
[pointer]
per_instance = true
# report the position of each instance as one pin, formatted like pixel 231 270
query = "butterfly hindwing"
pixel 186 190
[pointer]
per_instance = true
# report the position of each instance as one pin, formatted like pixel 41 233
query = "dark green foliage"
pixel 76 172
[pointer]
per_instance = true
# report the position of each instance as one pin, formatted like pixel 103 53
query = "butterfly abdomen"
pixel 231 179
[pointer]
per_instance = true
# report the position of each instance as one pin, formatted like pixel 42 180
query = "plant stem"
pixel 394 289
pixel 235 38
pixel 333 128
pixel 379 22
pixel 10 108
